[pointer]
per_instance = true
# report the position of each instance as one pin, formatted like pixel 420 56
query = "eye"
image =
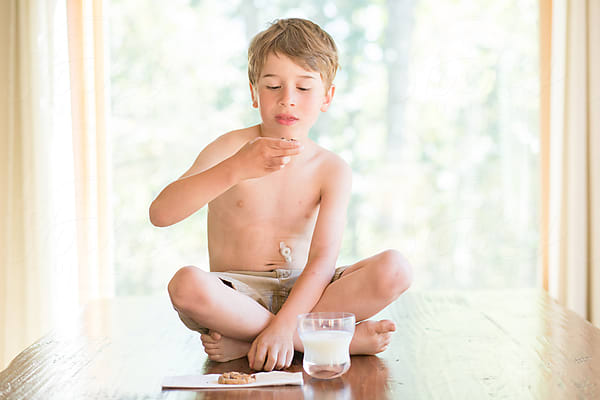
pixel 273 87
pixel 303 89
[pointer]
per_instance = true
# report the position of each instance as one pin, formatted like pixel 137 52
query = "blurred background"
pixel 445 110
pixel 436 110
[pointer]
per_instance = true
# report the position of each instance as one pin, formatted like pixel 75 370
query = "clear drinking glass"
pixel 326 339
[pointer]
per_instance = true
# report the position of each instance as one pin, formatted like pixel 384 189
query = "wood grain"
pixel 516 344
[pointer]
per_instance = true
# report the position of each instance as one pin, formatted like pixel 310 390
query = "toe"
pixel 206 339
pixel 215 335
pixel 385 326
pixel 386 341
pixel 213 354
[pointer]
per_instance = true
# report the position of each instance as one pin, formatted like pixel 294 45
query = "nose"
pixel 288 97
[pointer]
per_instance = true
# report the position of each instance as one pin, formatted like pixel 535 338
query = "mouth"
pixel 286 119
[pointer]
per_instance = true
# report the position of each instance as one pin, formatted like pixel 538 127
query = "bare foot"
pixel 372 337
pixel 221 348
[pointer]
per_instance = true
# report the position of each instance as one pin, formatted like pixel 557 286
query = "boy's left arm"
pixel 274 347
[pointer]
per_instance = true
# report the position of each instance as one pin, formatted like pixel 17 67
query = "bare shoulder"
pixel 334 170
pixel 221 148
pixel 237 138
pixel 333 163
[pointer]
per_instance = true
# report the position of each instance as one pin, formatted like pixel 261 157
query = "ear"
pixel 328 97
pixel 254 96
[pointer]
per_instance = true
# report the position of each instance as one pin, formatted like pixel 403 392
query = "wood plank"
pixel 449 345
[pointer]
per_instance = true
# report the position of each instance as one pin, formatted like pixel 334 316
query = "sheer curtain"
pixel 89 94
pixel 571 150
pixel 55 247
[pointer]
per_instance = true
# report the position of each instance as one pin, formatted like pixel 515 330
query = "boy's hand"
pixel 263 156
pixel 273 348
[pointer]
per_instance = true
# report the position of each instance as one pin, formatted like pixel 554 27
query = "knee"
pixel 186 288
pixel 395 275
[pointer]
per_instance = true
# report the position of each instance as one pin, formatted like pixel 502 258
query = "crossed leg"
pixel 234 319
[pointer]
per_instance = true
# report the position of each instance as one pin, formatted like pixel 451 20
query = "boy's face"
pixel 289 97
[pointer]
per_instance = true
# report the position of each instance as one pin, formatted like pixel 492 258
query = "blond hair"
pixel 299 39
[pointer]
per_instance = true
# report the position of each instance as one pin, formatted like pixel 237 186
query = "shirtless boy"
pixel 276 213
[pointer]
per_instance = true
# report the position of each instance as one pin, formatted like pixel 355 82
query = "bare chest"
pixel 288 201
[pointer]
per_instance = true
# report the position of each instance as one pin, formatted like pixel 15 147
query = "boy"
pixel 276 212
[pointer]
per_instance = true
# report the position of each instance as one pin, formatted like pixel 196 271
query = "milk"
pixel 326 347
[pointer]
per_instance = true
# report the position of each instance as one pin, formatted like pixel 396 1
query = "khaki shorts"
pixel 270 289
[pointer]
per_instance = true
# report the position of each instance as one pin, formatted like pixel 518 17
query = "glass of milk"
pixel 326 339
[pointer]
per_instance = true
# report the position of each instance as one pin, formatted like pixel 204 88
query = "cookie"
pixel 236 378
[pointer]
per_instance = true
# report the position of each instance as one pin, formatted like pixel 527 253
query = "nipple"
pixel 286 252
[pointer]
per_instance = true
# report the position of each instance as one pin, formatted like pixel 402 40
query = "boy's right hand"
pixel 263 155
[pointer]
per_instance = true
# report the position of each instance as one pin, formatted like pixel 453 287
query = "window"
pixel 436 110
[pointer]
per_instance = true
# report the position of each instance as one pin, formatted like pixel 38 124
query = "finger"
pixel 251 355
pixel 287 152
pixel 283 360
pixel 271 360
pixel 280 153
pixel 274 166
pixel 279 162
pixel 282 144
pixel 280 363
pixel 289 358
pixel 283 160
pixel 259 357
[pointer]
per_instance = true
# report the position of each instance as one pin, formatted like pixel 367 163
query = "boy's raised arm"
pixel 185 196
pixel 216 170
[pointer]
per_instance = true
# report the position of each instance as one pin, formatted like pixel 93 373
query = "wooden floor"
pixel 449 345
